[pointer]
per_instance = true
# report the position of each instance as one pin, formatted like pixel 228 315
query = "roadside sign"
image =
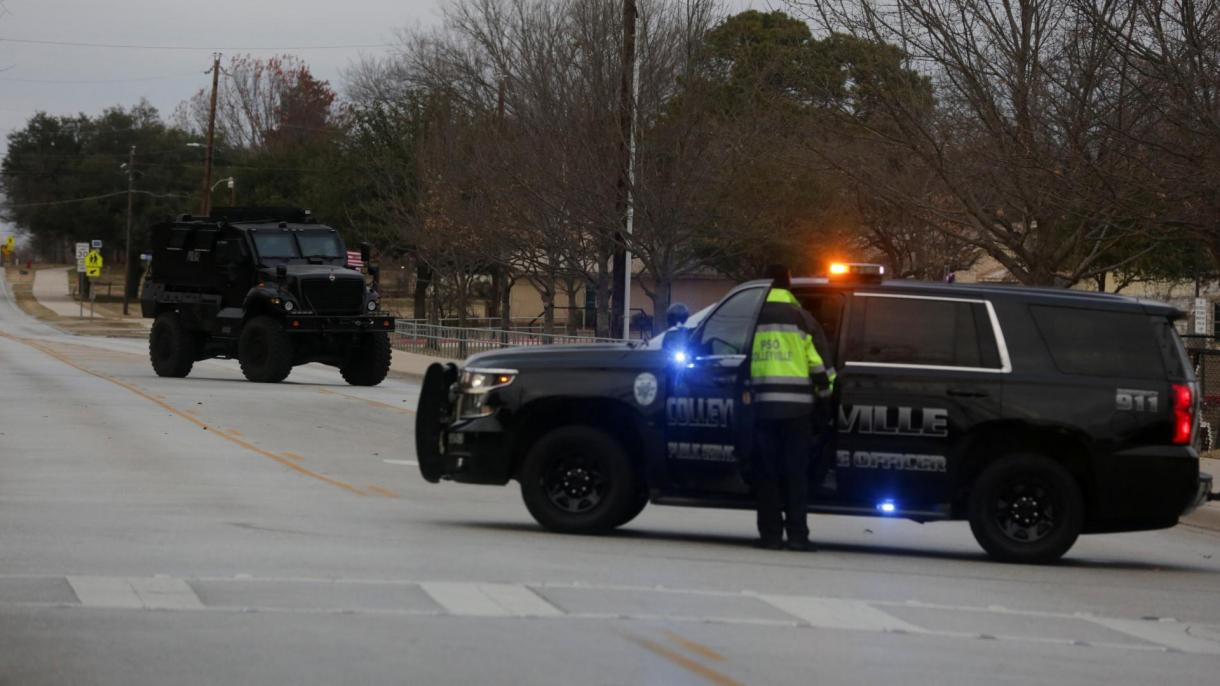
pixel 1201 316
pixel 82 249
pixel 93 264
pixel 146 257
pixel 95 244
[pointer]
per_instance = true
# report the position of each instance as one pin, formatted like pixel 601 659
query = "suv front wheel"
pixel 578 480
pixel 1026 508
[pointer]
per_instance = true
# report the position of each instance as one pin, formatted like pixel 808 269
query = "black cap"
pixel 677 314
pixel 780 276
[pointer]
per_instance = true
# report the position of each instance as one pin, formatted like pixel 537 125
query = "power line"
pixel 133 46
pixel 93 197
pixel 88 81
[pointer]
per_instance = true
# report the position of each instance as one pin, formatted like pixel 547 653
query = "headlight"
pixel 372 306
pixel 484 380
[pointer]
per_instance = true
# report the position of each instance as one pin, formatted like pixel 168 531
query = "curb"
pixel 1206 518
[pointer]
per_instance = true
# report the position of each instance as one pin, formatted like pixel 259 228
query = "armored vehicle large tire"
pixel 1026 508
pixel 578 480
pixel 369 360
pixel 264 350
pixel 171 347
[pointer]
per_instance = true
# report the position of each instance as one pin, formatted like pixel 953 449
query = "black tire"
pixel 264 350
pixel 641 501
pixel 578 480
pixel 1027 509
pixel 171 347
pixel 369 360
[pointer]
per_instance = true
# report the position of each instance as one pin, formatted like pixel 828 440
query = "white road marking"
pixel 489 600
pixel 474 599
pixel 404 462
pixel 837 613
pixel 145 593
pixel 1173 635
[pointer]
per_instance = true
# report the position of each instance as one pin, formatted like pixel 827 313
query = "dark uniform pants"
pixel 782 450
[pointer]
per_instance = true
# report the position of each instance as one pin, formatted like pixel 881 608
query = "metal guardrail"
pixel 458 343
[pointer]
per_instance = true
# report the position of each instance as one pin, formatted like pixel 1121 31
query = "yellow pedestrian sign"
pixel 93 264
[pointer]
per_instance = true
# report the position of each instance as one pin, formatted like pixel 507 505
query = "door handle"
pixel 966 393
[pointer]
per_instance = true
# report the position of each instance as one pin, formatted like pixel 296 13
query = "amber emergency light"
pixel 859 272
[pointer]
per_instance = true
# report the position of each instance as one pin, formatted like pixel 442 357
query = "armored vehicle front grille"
pixel 341 296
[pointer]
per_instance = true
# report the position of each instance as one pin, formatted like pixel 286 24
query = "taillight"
pixel 1183 415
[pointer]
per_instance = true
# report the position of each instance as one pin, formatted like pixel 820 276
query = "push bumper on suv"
pixel 470 450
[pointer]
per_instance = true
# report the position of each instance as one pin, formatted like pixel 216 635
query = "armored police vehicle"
pixel 1035 414
pixel 270 287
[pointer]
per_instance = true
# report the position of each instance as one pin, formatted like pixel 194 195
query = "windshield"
pixel 275 245
pixel 320 244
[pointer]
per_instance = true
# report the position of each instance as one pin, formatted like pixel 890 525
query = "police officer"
pixel 790 385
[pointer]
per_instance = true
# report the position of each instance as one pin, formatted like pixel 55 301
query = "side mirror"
pixel 281 271
pixel 366 253
pixel 676 346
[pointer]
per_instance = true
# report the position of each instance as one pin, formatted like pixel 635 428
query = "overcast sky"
pixel 35 76
pixel 73 79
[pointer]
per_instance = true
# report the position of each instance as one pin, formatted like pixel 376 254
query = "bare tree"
pixel 1023 134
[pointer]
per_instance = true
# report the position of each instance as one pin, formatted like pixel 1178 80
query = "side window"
pixel 1099 342
pixel 727 331
pixel 827 310
pixel 921 331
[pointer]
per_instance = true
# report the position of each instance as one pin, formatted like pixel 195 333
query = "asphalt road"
pixel 213 531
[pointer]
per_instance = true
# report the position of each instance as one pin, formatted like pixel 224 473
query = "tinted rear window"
pixel 921 331
pixel 1100 342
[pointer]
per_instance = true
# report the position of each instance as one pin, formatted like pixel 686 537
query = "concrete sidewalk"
pixel 1208 516
pixel 412 365
pixel 51 291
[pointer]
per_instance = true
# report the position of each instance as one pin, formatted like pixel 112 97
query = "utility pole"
pixel 620 268
pixel 131 175
pixel 205 205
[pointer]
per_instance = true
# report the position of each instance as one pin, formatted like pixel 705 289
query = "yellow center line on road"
pixel 381 491
pixel 687 663
pixel 377 403
pixel 185 415
pixel 287 453
pixel 697 648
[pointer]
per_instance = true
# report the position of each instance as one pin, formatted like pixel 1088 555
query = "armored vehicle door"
pixel 235 267
pixel 702 405
pixel 918 372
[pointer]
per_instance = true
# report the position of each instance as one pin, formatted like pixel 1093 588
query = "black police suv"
pixel 269 287
pixel 1035 414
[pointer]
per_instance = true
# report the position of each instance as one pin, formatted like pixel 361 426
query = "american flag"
pixel 354 260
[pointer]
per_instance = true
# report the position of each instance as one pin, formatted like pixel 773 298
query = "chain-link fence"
pixel 457 342
pixel 1205 355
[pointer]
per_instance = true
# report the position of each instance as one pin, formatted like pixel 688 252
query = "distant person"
pixel 788 380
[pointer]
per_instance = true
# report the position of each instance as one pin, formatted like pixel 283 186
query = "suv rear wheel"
pixel 171 347
pixel 1026 508
pixel 578 480
pixel 264 350
pixel 369 360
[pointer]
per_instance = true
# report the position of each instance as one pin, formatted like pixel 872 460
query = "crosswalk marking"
pixel 1173 635
pixel 837 613
pixel 527 600
pixel 140 593
pixel 489 600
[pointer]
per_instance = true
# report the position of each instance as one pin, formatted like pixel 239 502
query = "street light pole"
pixel 620 268
pixel 131 163
pixel 206 203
